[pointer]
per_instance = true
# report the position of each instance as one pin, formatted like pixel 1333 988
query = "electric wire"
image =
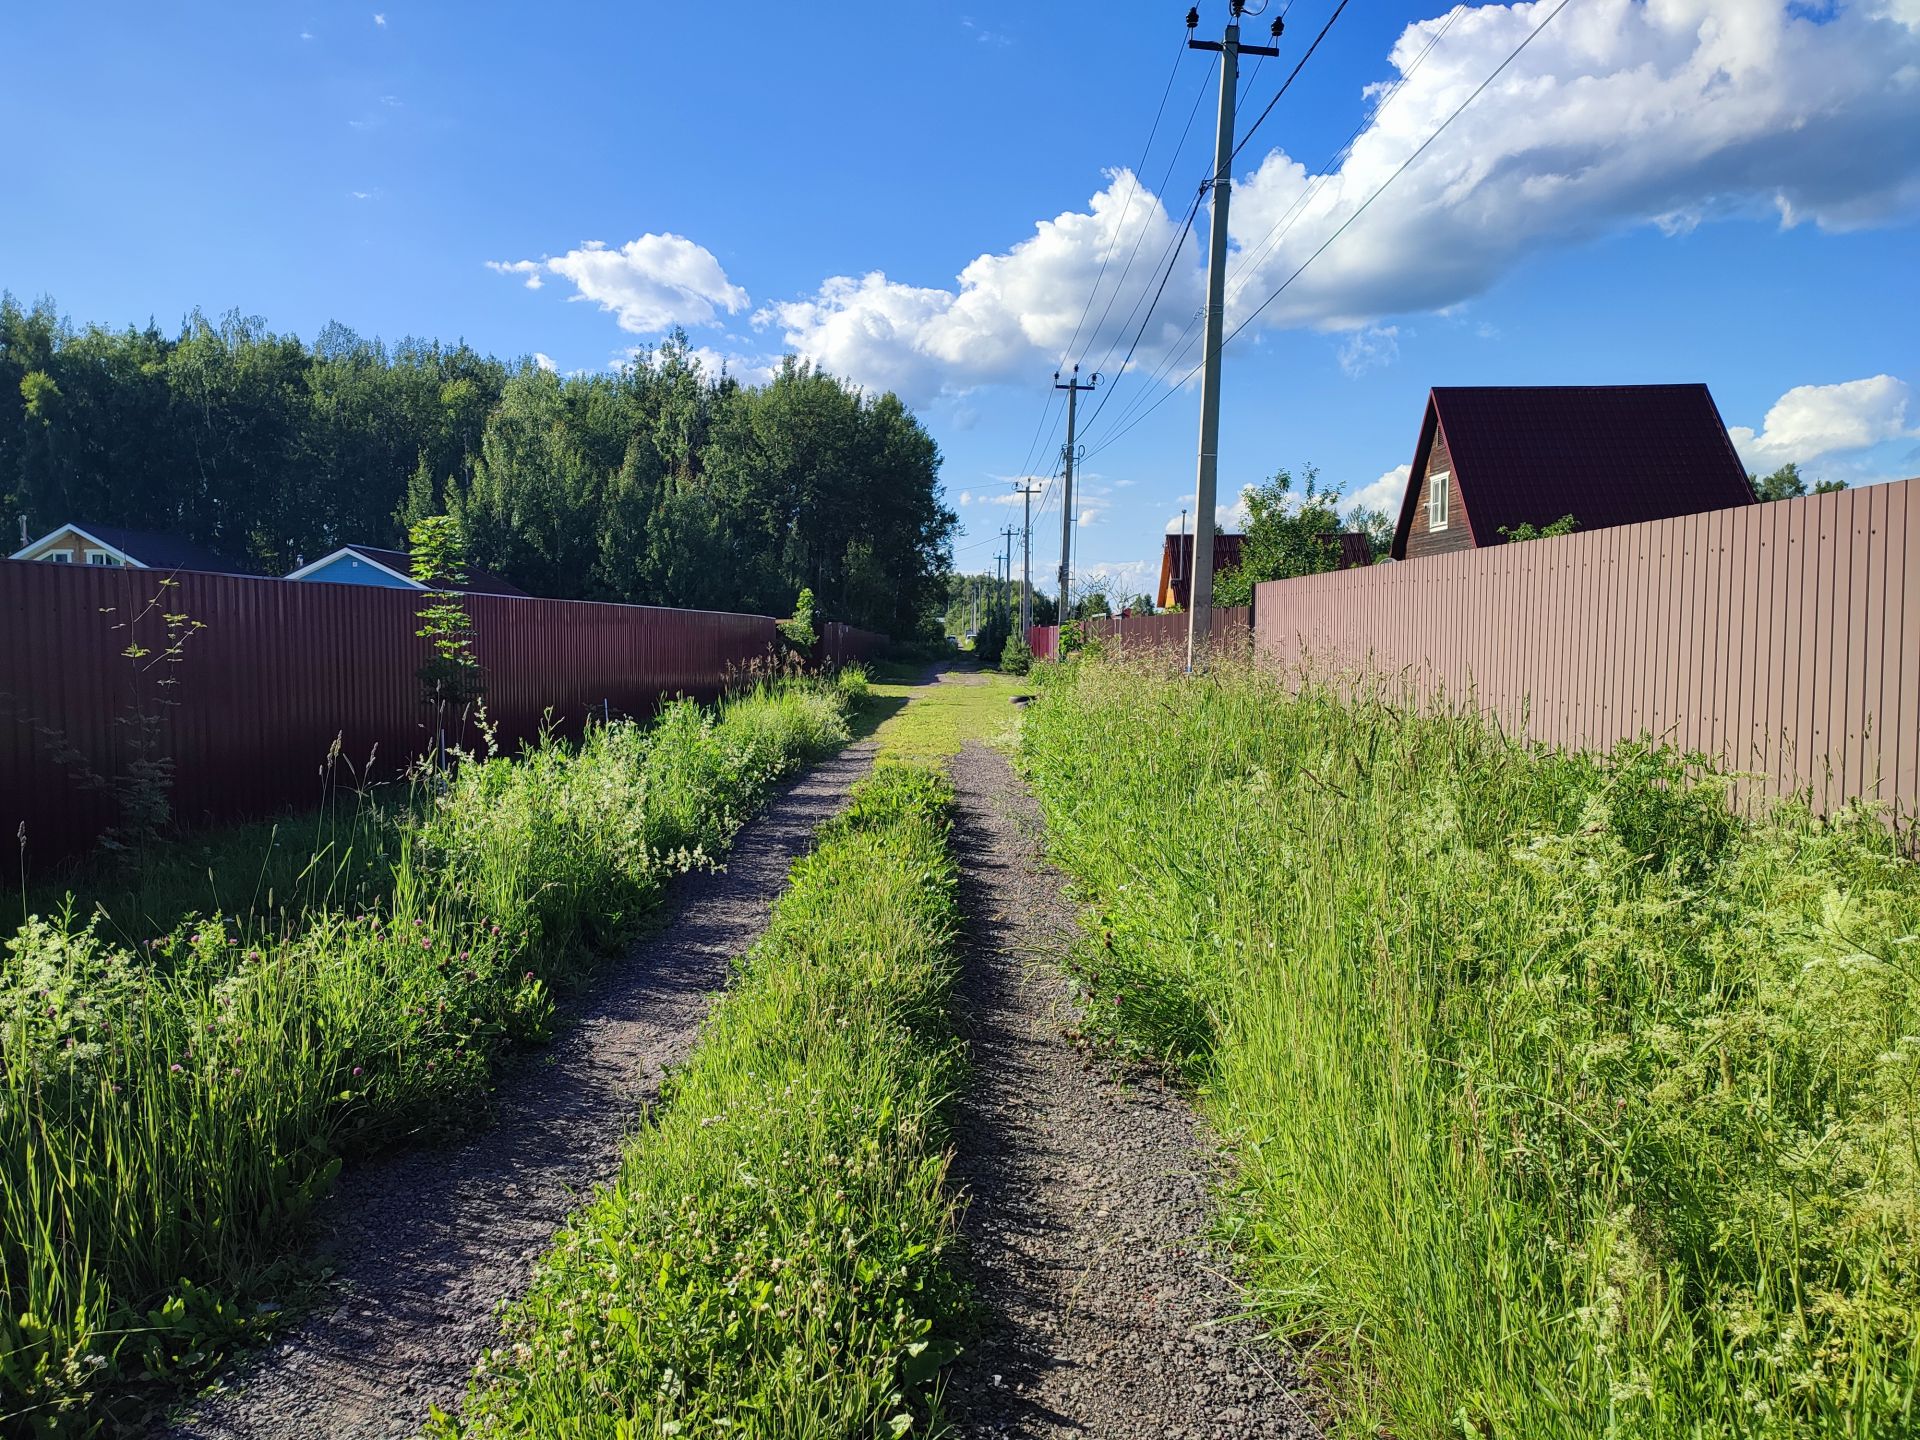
pixel 1287 82
pixel 1251 259
pixel 1172 160
pixel 1126 208
pixel 1420 150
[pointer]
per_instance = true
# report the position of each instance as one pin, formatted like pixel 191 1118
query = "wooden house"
pixel 1494 457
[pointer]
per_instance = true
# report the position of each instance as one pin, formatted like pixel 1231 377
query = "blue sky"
pixel 921 196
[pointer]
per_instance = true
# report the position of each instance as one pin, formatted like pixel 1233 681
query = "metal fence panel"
pixel 283 675
pixel 1780 638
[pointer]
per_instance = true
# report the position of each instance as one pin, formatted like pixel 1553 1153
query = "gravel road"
pixel 428 1244
pixel 1089 1199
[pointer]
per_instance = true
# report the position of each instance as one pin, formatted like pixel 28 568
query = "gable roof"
pixel 1355 550
pixel 1605 454
pixel 1176 564
pixel 399 564
pixel 152 548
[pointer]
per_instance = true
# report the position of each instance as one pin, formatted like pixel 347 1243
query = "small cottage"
pixel 1492 458
pixel 1176 566
pixel 391 570
pixel 110 545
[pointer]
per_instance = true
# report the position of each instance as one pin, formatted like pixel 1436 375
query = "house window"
pixel 59 557
pixel 1437 499
pixel 99 557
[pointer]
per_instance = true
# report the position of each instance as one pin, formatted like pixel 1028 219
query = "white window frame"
pixel 62 556
pixel 99 557
pixel 1438 484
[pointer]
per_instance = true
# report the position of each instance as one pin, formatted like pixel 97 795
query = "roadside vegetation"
pixel 772 1259
pixel 1564 1101
pixel 178 1085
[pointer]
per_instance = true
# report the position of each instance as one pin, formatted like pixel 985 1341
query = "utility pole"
pixel 1006 600
pixel 1073 387
pixel 1026 489
pixel 1200 583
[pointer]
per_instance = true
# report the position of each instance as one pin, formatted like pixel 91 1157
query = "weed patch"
pixel 1565 1103
pixel 170 1110
pixel 770 1261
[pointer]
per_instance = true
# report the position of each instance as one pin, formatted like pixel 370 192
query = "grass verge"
pixel 170 1110
pixel 1565 1103
pixel 770 1261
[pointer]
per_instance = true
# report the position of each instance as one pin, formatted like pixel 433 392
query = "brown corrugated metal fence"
pixel 1781 638
pixel 1157 632
pixel 281 670
pixel 1169 632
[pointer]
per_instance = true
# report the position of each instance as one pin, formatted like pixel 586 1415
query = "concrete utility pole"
pixel 1006 600
pixel 1073 387
pixel 1200 580
pixel 1026 489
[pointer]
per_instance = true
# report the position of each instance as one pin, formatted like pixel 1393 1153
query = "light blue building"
pixel 389 570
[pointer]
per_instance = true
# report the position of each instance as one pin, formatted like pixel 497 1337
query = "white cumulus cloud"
pixel 649 284
pixel 1622 113
pixel 1810 422
pixel 1384 493
pixel 1009 314
pixel 747 369
pixel 1369 349
pixel 528 268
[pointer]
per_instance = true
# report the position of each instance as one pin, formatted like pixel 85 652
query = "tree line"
pixel 655 484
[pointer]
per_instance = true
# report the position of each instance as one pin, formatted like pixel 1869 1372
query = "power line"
pixel 1033 446
pixel 1179 241
pixel 1183 345
pixel 1289 81
pixel 1172 161
pixel 1252 258
pixel 1439 130
pixel 1126 209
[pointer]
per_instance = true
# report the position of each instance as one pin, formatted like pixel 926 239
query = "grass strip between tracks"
pixel 772 1258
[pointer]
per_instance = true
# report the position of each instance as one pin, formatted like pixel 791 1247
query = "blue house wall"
pixel 351 570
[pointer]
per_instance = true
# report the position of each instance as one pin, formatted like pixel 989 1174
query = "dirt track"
pixel 1088 1198
pixel 428 1244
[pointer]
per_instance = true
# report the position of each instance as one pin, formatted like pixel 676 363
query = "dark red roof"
pixel 1355 550
pixel 1604 454
pixel 1176 564
pixel 479 582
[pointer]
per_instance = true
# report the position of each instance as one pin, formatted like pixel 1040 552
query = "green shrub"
pixel 853 682
pixel 771 1260
pixel 170 1111
pixel 1015 657
pixel 1565 1103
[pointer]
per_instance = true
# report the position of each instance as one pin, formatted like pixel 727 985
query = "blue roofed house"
pixel 391 570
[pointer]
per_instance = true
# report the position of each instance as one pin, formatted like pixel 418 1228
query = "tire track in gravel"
pixel 427 1244
pixel 1088 1200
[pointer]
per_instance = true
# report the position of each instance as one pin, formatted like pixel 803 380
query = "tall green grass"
pixel 1565 1103
pixel 170 1110
pixel 770 1260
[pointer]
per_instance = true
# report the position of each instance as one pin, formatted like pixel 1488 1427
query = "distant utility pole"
pixel 1006 600
pixel 1026 489
pixel 1073 387
pixel 1200 583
